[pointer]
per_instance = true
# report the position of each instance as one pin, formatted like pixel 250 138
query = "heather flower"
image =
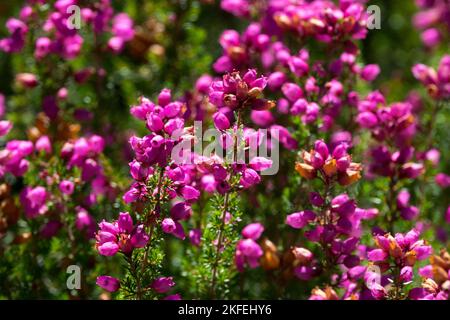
pixel 433 156
pixel 248 251
pixel 253 231
pixel 43 47
pixel 122 30
pixel 336 226
pixel 203 83
pixel 162 120
pixel 5 127
pixel 195 237
pixel 276 80
pixel 190 193
pixel 335 165
pixel 58 38
pixel 323 21
pixel 299 65
pixel 15 42
pixel 66 187
pixel 221 121
pixel 406 211
pixel 411 170
pixel 304 272
pixel 12 158
pixel 271 259
pixel 378 292
pixel 176 296
pixel 284 136
pixel 27 80
pixel 249 178
pixel 406 274
pixel 292 91
pixel 431 37
pixel 442 180
pixel 2 106
pixel 50 229
pixel 370 72
pixel 316 96
pixel 431 17
pixel 162 284
pixel 316 199
pixel 121 235
pixel 260 163
pixel 34 201
pixel 85 222
pixel 139 237
pixel 300 219
pixel 181 211
pixel 239 8
pixel 43 144
pixel 400 252
pixel 435 81
pixel 327 294
pixel 436 284
pixel 139 171
pixel 235 91
pixel 108 283
pixel 395 122
pixel 447 215
pixel 168 225
pixel 179 231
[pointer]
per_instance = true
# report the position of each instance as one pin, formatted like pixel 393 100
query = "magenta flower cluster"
pixel 60 35
pixel 355 211
pixel 121 235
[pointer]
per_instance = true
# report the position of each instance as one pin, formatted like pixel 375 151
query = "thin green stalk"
pixel 224 213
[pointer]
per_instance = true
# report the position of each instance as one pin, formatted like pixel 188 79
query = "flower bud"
pixel 300 219
pixel 316 199
pixel 154 123
pixel 27 80
pixel 139 238
pixel 253 231
pixel 221 121
pixel 108 283
pixel 162 284
pixel 406 274
pixel 66 187
pixel 43 144
pixel 168 225
pixel 164 97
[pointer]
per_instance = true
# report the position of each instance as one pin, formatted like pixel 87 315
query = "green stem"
pixel 224 213
pixel 392 216
pixel 152 227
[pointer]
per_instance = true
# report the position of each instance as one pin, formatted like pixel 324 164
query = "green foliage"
pixel 207 259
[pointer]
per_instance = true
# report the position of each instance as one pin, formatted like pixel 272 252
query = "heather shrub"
pixel 227 149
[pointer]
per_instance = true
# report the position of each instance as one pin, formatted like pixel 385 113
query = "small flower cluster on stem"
pixel 396 255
